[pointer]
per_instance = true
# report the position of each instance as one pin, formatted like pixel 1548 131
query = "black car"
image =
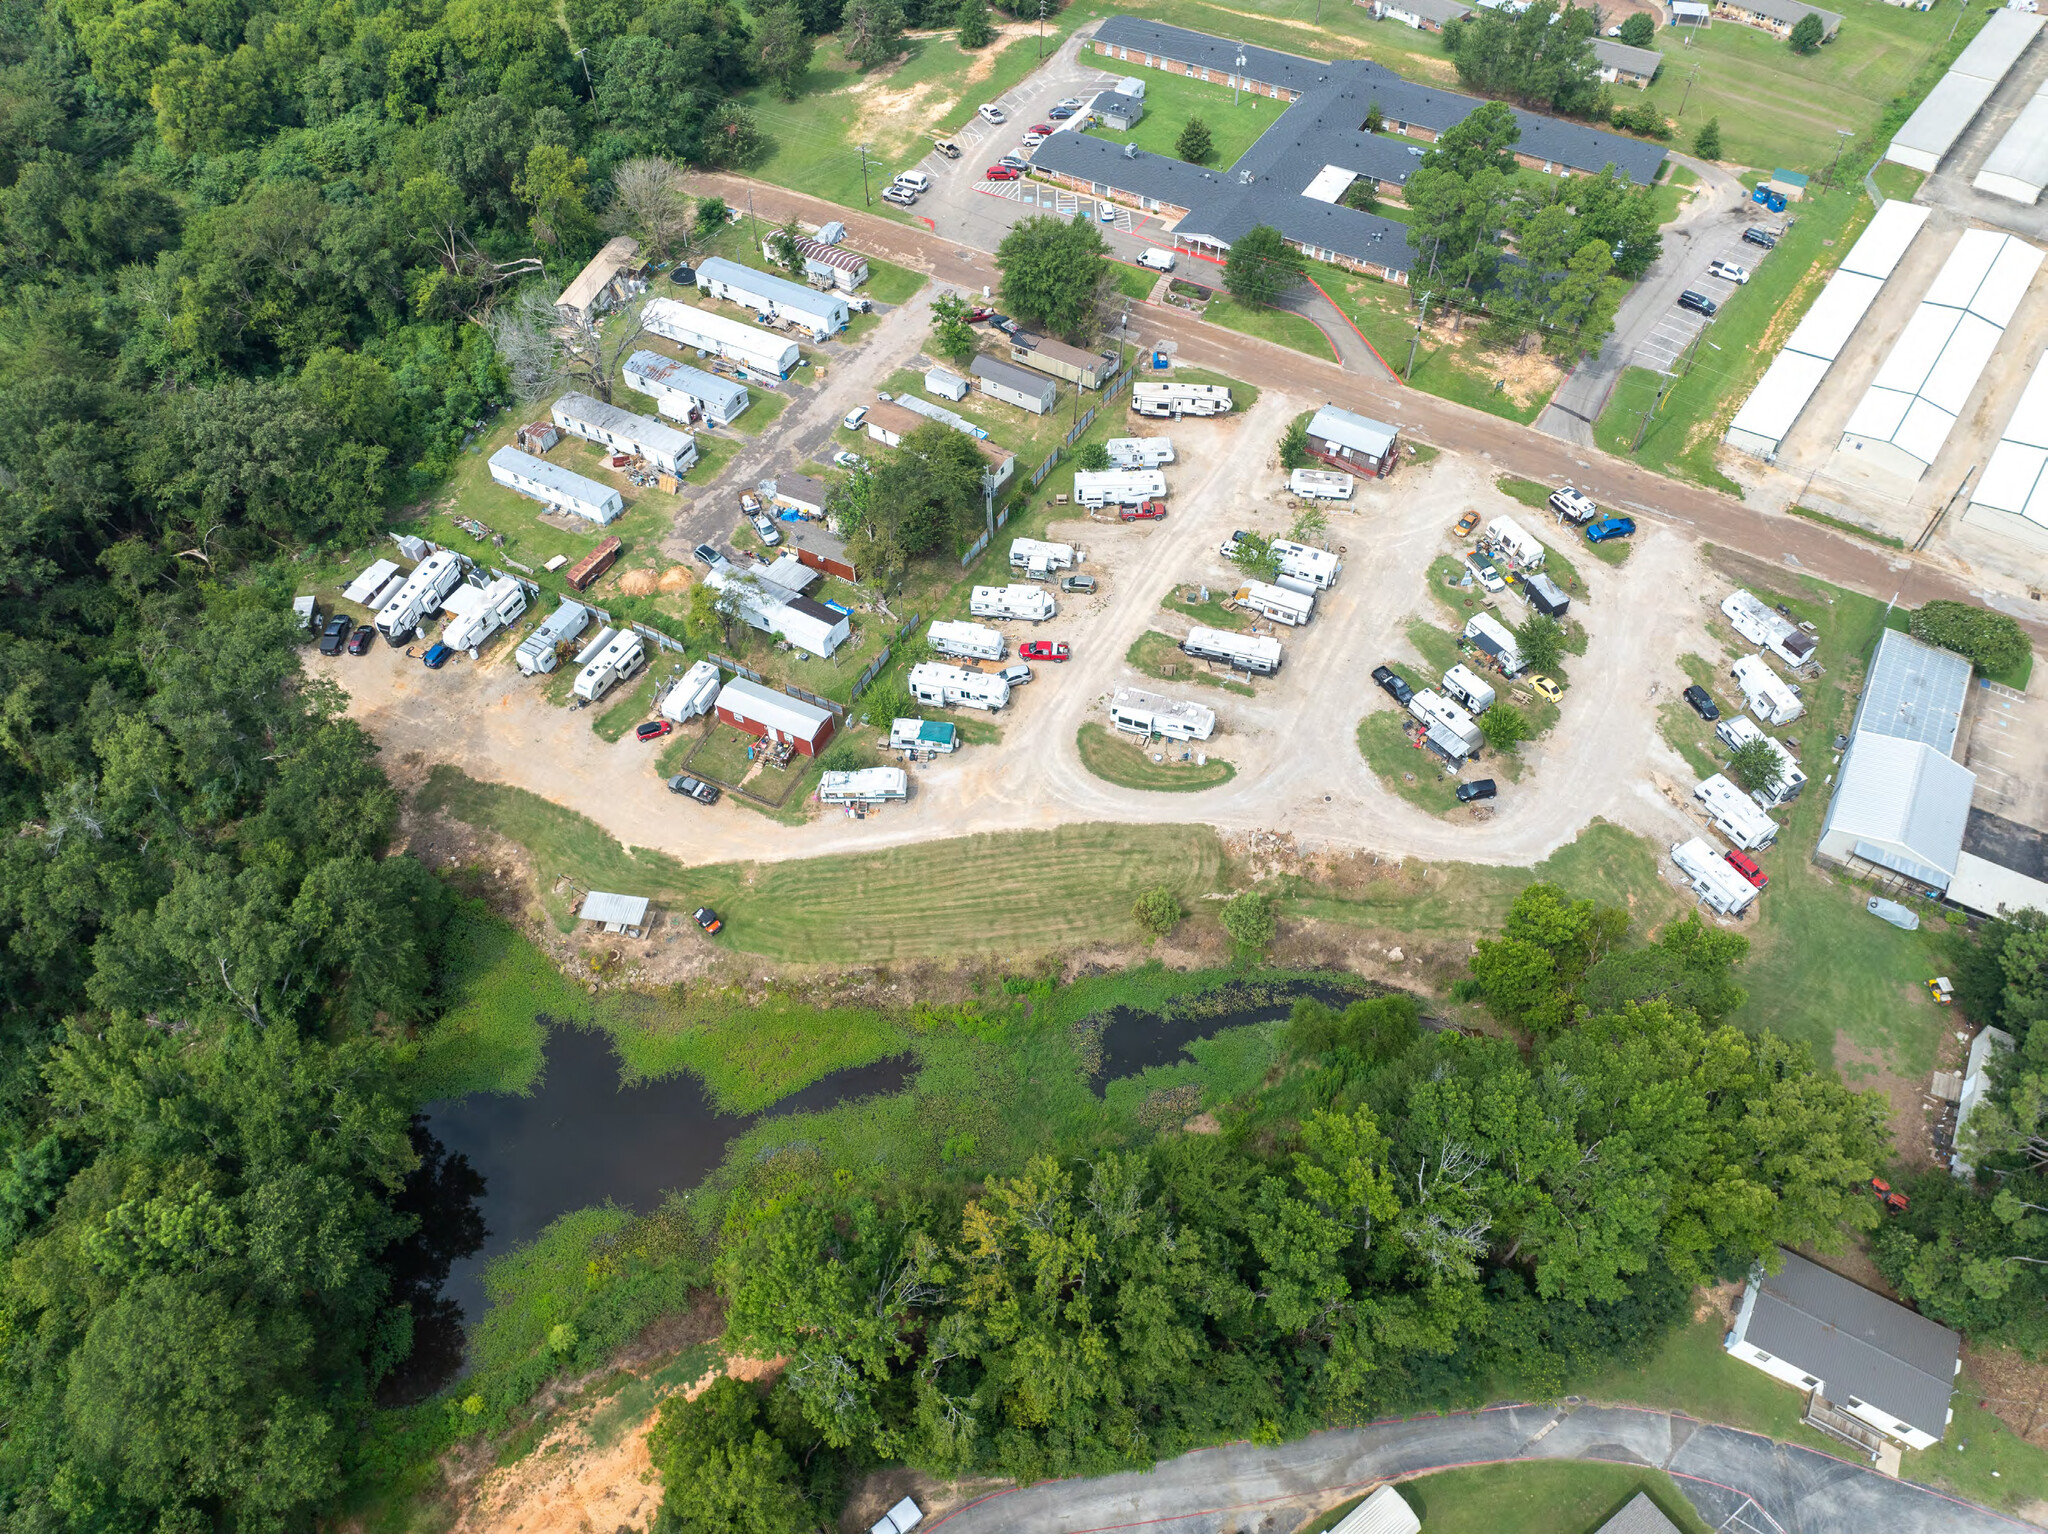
pixel 335 635
pixel 1478 788
pixel 1762 237
pixel 696 788
pixel 1392 685
pixel 1699 303
pixel 1703 703
pixel 359 641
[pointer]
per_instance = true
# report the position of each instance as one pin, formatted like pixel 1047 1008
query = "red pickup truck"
pixel 1145 511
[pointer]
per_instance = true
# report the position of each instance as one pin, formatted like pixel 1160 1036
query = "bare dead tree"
pixel 656 205
pixel 544 353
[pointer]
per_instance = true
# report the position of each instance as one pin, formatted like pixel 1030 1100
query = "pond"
pixel 1133 1042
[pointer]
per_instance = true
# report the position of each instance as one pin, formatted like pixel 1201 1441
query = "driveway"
pixel 1739 1482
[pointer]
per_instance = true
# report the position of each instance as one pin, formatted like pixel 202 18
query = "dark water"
pixel 582 1138
pixel 1134 1041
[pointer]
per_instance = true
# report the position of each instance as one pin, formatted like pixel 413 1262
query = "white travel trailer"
pixel 1770 699
pixel 1768 629
pixel 950 687
pixel 477 612
pixel 970 641
pixel 1521 548
pixel 1137 712
pixel 1306 563
pixel 420 597
pixel 1027 602
pixel 536 652
pixel 1256 653
pixel 694 694
pixel 1118 487
pixel 1739 730
pixel 1720 888
pixel 618 659
pixel 1276 602
pixel 1735 815
pixel 1443 717
pixel 923 735
pixel 1321 484
pixel 870 785
pixel 1179 399
pixel 1039 559
pixel 1492 637
pixel 1140 452
pixel 1465 686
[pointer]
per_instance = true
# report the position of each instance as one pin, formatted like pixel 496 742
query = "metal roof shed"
pixel 2018 167
pixel 1959 96
pixel 2011 498
pixel 1386 1511
pixel 1901 805
pixel 617 912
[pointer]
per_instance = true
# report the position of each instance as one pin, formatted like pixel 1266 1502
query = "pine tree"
pixel 1707 142
pixel 1194 142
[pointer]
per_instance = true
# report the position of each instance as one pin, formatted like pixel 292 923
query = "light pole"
pixel 1238 79
pixel 1682 100
pixel 1041 30
pixel 1842 137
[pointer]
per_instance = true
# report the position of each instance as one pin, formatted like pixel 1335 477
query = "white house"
pixel 641 435
pixel 682 392
pixel 555 486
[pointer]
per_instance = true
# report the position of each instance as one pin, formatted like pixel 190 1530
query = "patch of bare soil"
pixel 1913 1111
pixel 1718 1302
pixel 1853 1263
pixel 886 115
pixel 2013 1388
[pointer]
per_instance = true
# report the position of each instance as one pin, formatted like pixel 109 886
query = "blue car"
pixel 1610 527
pixel 1060 114
pixel 436 656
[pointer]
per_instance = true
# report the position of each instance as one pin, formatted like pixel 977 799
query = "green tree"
pixel 787 251
pixel 1262 266
pixel 1093 458
pixel 1309 524
pixel 711 216
pixel 1054 275
pixel 872 31
pixel 1194 144
pixel 1157 910
pixel 1756 766
pixel 1639 29
pixel 1707 142
pixel 1375 119
pixel 551 186
pixel 1363 194
pixel 1540 638
pixel 952 335
pixel 1248 918
pixel 722 1470
pixel 782 49
pixel 1483 140
pixel 1504 726
pixel 1253 554
pixel 927 493
pixel 1992 641
pixel 976 30
pixel 1808 33
pixel 1294 453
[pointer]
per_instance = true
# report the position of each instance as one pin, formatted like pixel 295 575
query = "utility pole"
pixel 1688 89
pixel 580 54
pixel 1415 341
pixel 864 176
pixel 1842 137
pixel 750 216
pixel 1041 31
pixel 1643 425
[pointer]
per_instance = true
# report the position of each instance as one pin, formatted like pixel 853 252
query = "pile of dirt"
pixel 676 578
pixel 639 583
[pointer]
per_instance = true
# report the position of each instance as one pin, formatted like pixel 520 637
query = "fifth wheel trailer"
pixel 1767 628
pixel 476 612
pixel 1770 698
pixel 1735 815
pixel 431 580
pixel 951 687
pixel 695 693
pixel 1026 602
pixel 969 641
pixel 1720 887
pixel 1179 399
pixel 1039 559
pixel 618 659
pixel 1118 487
pixel 1245 652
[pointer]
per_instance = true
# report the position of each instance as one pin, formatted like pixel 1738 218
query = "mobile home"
pixel 870 785
pixel 554 486
pixel 1087 369
pixel 1256 653
pixel 817 314
pixel 969 641
pixel 1353 442
pixel 1770 699
pixel 619 658
pixel 720 337
pixel 775 716
pixel 1137 712
pixel 1026 602
pixel 683 393
pixel 1014 385
pixel 674 452
pixel 950 687
pixel 1735 815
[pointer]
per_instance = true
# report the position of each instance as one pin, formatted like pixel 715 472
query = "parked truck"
pixel 1174 400
pixel 1770 698
pixel 475 618
pixel 1255 653
pixel 1026 602
pixel 1276 602
pixel 1321 484
pixel 1305 565
pixel 420 597
pixel 1735 815
pixel 1140 452
pixel 1118 487
pixel 618 659
pixel 968 641
pixel 536 652
pixel 1464 686
pixel 945 686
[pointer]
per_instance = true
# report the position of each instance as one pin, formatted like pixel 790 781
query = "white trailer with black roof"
pixel 1257 653
pixel 1768 629
pixel 1491 637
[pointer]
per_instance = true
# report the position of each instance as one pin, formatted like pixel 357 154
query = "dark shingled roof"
pixel 1639 1515
pixel 1856 1342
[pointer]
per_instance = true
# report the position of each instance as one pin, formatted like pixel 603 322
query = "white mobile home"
pixel 477 612
pixel 1770 699
pixel 1039 559
pixel 1256 653
pixel 554 486
pixel 1305 562
pixel 969 641
pixel 1118 487
pixel 721 337
pixel 870 785
pixel 1768 629
pixel 1321 484
pixel 1026 602
pixel 1465 686
pixel 1521 549
pixel 618 659
pixel 950 687
pixel 1492 638
pixel 1738 730
pixel 431 580
pixel 1276 602
pixel 1140 452
pixel 817 314
pixel 1137 712
pixel 695 693
pixel 1719 887
pixel 1014 385
pixel 536 652
pixel 1735 815
pixel 641 435
pixel 1174 400
pixel 683 393
pixel 1442 717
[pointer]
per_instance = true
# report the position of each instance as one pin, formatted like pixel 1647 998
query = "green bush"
pixel 1093 458
pixel 1639 30
pixel 1157 910
pixel 1294 452
pixel 1248 918
pixel 1992 641
pixel 1504 726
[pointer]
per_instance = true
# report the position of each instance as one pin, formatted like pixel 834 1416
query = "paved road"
pixel 1738 1481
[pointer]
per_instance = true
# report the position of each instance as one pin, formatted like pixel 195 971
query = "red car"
pixel 1149 511
pixel 653 729
pixel 1042 649
pixel 1045 128
pixel 979 313
pixel 1746 865
pixel 1004 173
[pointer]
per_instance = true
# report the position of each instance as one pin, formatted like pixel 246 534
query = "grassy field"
pixel 1456 368
pixel 1897 181
pixel 1415 774
pixel 1280 325
pixel 1134 282
pixel 1556 1497
pixel 1117 760
pixel 1171 100
pixel 1210 614
pixel 1158 655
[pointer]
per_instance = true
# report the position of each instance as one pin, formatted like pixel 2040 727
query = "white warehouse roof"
pixel 1902 421
pixel 2012 495
pixel 1900 804
pixel 1783 392
pixel 2018 167
pixel 1959 96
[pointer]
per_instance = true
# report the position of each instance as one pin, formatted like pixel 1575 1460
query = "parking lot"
pixel 1677 329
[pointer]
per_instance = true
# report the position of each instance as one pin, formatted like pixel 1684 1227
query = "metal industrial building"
pixel 1767 416
pixel 1902 800
pixel 2011 498
pixel 2018 167
pixel 1921 390
pixel 1955 101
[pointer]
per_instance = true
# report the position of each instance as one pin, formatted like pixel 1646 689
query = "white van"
pixel 1159 260
pixel 991 113
pixel 916 180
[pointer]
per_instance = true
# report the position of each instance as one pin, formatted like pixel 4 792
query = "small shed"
pixel 945 385
pixel 823 550
pixel 1119 111
pixel 615 913
pixel 1353 442
pixel 889 424
pixel 1790 184
pixel 1014 385
pixel 802 492
pixel 536 437
pixel 1691 13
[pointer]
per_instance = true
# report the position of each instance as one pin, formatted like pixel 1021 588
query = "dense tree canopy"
pixel 1054 276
